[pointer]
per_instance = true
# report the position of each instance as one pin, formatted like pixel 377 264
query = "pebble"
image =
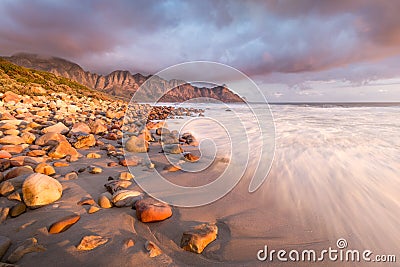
pixel 60 164
pixel 71 176
pixel 104 200
pixel 17 210
pixel 4 211
pixel 153 249
pixel 86 201
pixel 151 210
pixel 198 237
pixel 126 176
pixel 95 170
pixel 93 209
pixel 63 224
pixel 91 242
pixel 93 156
pixel 44 168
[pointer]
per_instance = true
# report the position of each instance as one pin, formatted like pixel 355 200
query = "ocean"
pixel 334 173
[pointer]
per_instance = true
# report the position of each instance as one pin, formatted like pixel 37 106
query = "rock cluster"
pixel 42 135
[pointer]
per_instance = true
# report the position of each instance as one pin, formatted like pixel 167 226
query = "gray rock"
pixel 5 243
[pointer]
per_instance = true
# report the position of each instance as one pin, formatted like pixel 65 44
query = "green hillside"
pixel 33 82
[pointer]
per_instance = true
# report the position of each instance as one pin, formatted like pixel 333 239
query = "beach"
pixel 334 175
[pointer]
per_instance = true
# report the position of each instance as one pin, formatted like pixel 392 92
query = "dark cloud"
pixel 258 37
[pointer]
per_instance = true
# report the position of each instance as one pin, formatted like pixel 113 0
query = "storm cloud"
pixel 323 39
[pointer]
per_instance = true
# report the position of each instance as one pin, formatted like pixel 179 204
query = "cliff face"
pixel 120 83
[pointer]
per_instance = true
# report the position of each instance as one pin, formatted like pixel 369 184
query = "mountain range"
pixel 119 83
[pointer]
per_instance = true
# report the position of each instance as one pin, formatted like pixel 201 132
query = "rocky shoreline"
pixel 49 143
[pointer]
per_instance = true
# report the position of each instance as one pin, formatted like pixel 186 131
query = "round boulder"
pixel 39 190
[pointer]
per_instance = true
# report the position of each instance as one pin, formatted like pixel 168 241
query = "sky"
pixel 304 50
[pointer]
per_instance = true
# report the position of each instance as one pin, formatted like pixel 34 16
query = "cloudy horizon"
pixel 294 50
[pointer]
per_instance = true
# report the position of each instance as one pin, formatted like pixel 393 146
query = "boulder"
pixel 62 150
pixel 126 198
pixel 5 154
pixel 28 137
pixel 63 224
pixel 44 168
pixel 114 186
pixel 198 237
pixel 97 127
pixel 172 148
pixel 56 128
pixel 39 190
pixel 136 144
pixel 11 140
pixel 13 149
pixel 11 97
pixel 85 141
pixel 151 210
pixel 17 171
pixel 80 128
pixel 50 138
pixel 36 153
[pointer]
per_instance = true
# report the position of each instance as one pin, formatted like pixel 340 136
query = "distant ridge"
pixel 120 83
pixel 24 81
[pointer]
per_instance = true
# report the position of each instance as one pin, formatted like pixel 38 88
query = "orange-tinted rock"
pixel 85 141
pixel 17 171
pixel 11 97
pixel 62 150
pixel 5 154
pixel 189 157
pixel 153 249
pixel 86 201
pixel 151 210
pixel 80 128
pixel 91 242
pixel 45 169
pixel 39 190
pixel 50 137
pixel 197 238
pixel 28 137
pixel 136 144
pixel 60 164
pixel 36 153
pixel 97 127
pixel 63 224
pixel 56 128
pixel 172 168
pixel 11 140
pixel 13 149
pixel 129 162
